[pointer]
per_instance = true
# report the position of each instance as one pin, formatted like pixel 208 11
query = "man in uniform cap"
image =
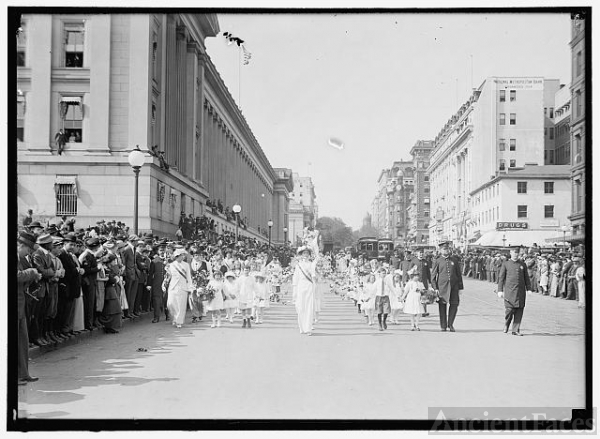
pixel 513 284
pixel 26 274
pixel 446 278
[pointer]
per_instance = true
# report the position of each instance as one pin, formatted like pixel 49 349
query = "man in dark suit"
pixel 25 275
pixel 513 284
pixel 42 261
pixel 156 276
pixel 142 262
pixel 128 256
pixel 72 280
pixel 446 278
pixel 424 270
pixel 89 264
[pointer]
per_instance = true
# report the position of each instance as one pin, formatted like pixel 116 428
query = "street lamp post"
pixel 285 235
pixel 236 209
pixel 136 160
pixel 270 224
pixel 564 230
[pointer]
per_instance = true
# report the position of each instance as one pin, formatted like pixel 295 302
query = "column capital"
pixel 193 47
pixel 181 32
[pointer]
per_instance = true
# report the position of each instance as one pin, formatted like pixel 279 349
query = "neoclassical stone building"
pixel 110 82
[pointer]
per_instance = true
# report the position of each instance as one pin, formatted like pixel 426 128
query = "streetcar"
pixel 385 248
pixel 368 247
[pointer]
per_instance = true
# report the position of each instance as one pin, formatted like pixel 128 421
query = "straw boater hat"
pixel 229 274
pixel 178 252
pixel 303 249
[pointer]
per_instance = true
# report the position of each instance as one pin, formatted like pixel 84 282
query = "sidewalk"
pixel 37 351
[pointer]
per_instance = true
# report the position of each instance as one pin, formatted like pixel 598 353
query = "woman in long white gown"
pixel 304 284
pixel 180 285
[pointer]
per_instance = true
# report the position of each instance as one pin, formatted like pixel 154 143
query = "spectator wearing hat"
pixel 36 228
pixel 72 281
pixel 513 285
pixel 110 318
pixel 580 279
pixel 554 277
pixel 88 262
pixel 571 280
pixel 42 261
pixel 128 256
pixel 26 275
pixel 56 295
pixel 446 278
pixel 156 276
pixel 179 280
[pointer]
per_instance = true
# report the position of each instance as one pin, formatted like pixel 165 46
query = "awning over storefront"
pixel 76 100
pixel 527 238
pixel 567 238
pixel 65 179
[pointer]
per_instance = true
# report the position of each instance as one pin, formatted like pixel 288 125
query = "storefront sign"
pixel 520 83
pixel 510 225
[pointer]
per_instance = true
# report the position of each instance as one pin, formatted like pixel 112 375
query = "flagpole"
pixel 240 77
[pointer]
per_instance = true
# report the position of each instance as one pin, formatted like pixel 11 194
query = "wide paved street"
pixel 346 370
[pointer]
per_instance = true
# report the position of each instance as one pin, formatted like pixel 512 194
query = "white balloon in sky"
pixel 336 143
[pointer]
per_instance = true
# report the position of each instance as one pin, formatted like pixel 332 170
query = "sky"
pixel 377 81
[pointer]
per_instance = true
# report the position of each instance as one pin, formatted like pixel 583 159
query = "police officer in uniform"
pixel 513 284
pixel 446 278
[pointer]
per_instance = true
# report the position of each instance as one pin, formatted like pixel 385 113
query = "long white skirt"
pixel 305 307
pixel 78 315
pixel 177 304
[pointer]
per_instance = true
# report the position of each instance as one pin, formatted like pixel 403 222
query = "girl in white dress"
pixel 230 288
pixel 180 284
pixel 368 299
pixel 261 296
pixel 216 303
pixel 396 297
pixel 247 286
pixel 412 299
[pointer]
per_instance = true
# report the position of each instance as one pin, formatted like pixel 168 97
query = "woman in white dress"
pixel 180 284
pixel 230 288
pixel 368 299
pixel 217 302
pixel 412 299
pixel 303 284
pixel 261 295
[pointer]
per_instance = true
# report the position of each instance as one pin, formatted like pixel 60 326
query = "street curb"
pixel 38 351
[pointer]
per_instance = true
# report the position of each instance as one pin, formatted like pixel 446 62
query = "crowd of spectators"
pixel 73 279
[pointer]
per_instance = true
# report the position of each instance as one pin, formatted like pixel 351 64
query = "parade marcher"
pixel 544 271
pixel 396 297
pixel 446 278
pixel 412 299
pixel 554 277
pixel 303 284
pixel 368 298
pixel 406 265
pixel 246 288
pixel 382 299
pixel 179 279
pixel 513 285
pixel 261 296
pixel 216 303
pixel 423 269
pixel 26 274
pixel 230 288
pixel 156 276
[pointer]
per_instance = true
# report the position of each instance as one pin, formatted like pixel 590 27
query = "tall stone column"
pixel 100 45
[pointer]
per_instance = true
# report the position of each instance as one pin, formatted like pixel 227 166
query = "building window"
pixel 578 109
pixel 502 164
pixel 513 163
pixel 551 114
pixel 426 213
pixel 513 144
pixel 74 44
pixel 549 211
pixel 502 119
pixel 502 146
pixel 426 190
pixel 502 95
pixel 551 155
pixel 71 112
pixel 22 47
pixel 545 111
pixel 551 133
pixel 21 117
pixel 545 132
pixel 426 178
pixel 513 95
pixel 522 211
pixel 66 199
pixel 521 187
pixel 548 187
pixel 579 63
pixel 513 118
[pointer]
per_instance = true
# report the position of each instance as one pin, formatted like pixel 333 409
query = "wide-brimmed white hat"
pixel 260 274
pixel 304 248
pixel 178 252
